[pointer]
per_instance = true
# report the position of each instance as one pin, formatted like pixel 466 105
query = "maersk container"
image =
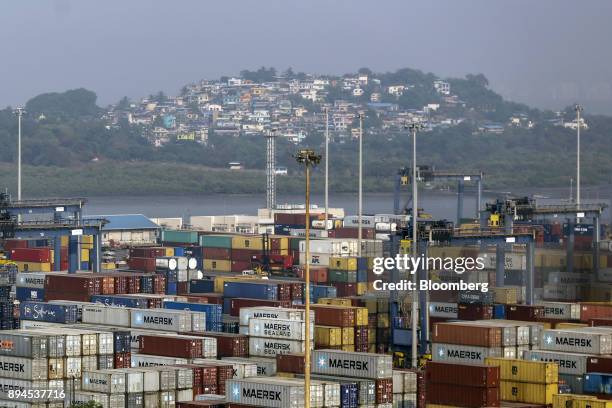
pixel 23 368
pixel 161 319
pixel 105 381
pixel 18 344
pixel 105 400
pixel 317 389
pixel 55 343
pixel 48 312
pixel 561 310
pixel 271 347
pixel 266 367
pixel 261 393
pixel 29 294
pixel 443 309
pixel 579 341
pixel 348 364
pixel 213 312
pixel 569 363
pixel 454 353
pixel 279 329
pixel 272 313
pixel 250 290
pixel 119 301
pixel 106 315
pixel 7 384
pixel 352 221
pixel 144 360
pixel 32 280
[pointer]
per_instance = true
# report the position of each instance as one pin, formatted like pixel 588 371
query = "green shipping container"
pixel 335 275
pixel 294 243
pixel 216 241
pixel 180 237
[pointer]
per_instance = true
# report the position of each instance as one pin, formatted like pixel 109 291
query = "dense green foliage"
pixel 72 150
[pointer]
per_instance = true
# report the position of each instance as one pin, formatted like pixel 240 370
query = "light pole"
pixel 578 109
pixel 414 127
pixel 19 112
pixel 309 159
pixel 360 203
pixel 326 169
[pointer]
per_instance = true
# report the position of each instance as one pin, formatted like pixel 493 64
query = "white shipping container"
pixel 182 275
pixel 89 363
pixel 105 400
pixel 320 224
pixel 167 377
pixel 316 259
pixel 394 218
pixel 34 280
pixel 512 261
pixel 151 399
pixel 317 389
pixel 146 360
pixel 567 278
pixel 561 310
pixel 161 319
pixel 569 363
pixel 150 378
pixel 167 398
pixel 386 227
pixel 271 347
pixel 347 364
pixel 258 392
pixel 184 395
pixel 266 367
pixel 301 233
pixel 333 247
pixel 578 341
pixel 198 321
pixel 443 309
pixel 279 329
pixel 268 312
pixel 105 381
pixel 7 384
pixel 73 367
pixel 605 275
pixel 454 353
pixel 184 378
pixel 352 221
pixel 561 292
pixel 23 368
pixel 134 380
pixel 241 369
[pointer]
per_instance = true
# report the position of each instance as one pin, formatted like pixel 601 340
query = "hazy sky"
pixel 549 53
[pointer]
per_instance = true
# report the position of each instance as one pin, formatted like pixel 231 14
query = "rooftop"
pixel 126 222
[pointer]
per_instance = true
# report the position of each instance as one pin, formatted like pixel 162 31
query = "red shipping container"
pixel 317 274
pixel 524 312
pixel 121 285
pixel 147 252
pixel 213 298
pixel 237 303
pixel 171 346
pixel 297 291
pixel 345 289
pixel 244 255
pixel 209 376
pixel 123 360
pixel 384 390
pixel 182 288
pixel 239 266
pixel 217 253
pixel 474 311
pixel 290 363
pixel 463 396
pixel 468 335
pixel 328 315
pixel 41 255
pixel 601 321
pixel 459 374
pixel 224 373
pixel 159 284
pixel 9 244
pixel 599 364
pixel 74 283
pixel 108 285
pixel 228 344
pixel 142 264
pixel 590 311
pixel 366 233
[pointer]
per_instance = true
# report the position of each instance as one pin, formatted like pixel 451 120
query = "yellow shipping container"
pixel 371 348
pixel 285 375
pixel 344 263
pixel 217 265
pixel 566 325
pixel 383 305
pixel 506 296
pixel 328 336
pixel 33 266
pixel 169 251
pixel 361 316
pixel 565 400
pixel 603 261
pixel 371 336
pixel 371 305
pixel 247 242
pixel 107 266
pixel 591 403
pixel 525 371
pixel 64 240
pixel 84 255
pixel 348 335
pixel 382 321
pixel 334 301
pixel 348 347
pixel 527 392
pixel 282 244
pixel 362 288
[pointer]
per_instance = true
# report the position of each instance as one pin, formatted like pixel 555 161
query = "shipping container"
pixel 528 392
pixel 525 370
pixel 266 366
pixel 264 393
pixel 462 396
pixel 271 347
pixel 459 354
pixel 144 360
pixel 466 334
pixel 599 364
pixel 119 301
pixel 48 312
pixel 161 319
pixel 578 340
pixel 598 383
pixel 19 344
pixel 106 315
pixel 104 381
pixel 360 365
pixel 279 329
pixel 458 374
pixel 33 280
pixel 561 310
pixel 181 347
pixel 569 363
pixel 23 368
pixel 270 313
pixel 443 309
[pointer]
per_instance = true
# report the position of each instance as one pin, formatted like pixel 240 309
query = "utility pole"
pixel 578 109
pixel 326 169
pixel 414 127
pixel 19 112
pixel 571 197
pixel 309 159
pixel 360 203
pixel 271 169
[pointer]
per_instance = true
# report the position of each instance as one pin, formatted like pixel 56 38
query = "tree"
pixel 124 103
pixel 75 103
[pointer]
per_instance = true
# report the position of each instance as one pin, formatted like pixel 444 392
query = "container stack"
pixel 462 385
pixel 8 274
pixel 405 388
pixel 531 382
pixel 347 338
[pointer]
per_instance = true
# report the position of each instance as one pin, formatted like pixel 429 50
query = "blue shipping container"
pixel 171 288
pixel 120 301
pixel 499 311
pixel 27 294
pixel 194 251
pixel 598 383
pixel 349 395
pixel 46 312
pixel 179 251
pixel 251 290
pixel 322 291
pixel 402 337
pixel 201 286
pixel 362 265
pixel 227 305
pixel 84 266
